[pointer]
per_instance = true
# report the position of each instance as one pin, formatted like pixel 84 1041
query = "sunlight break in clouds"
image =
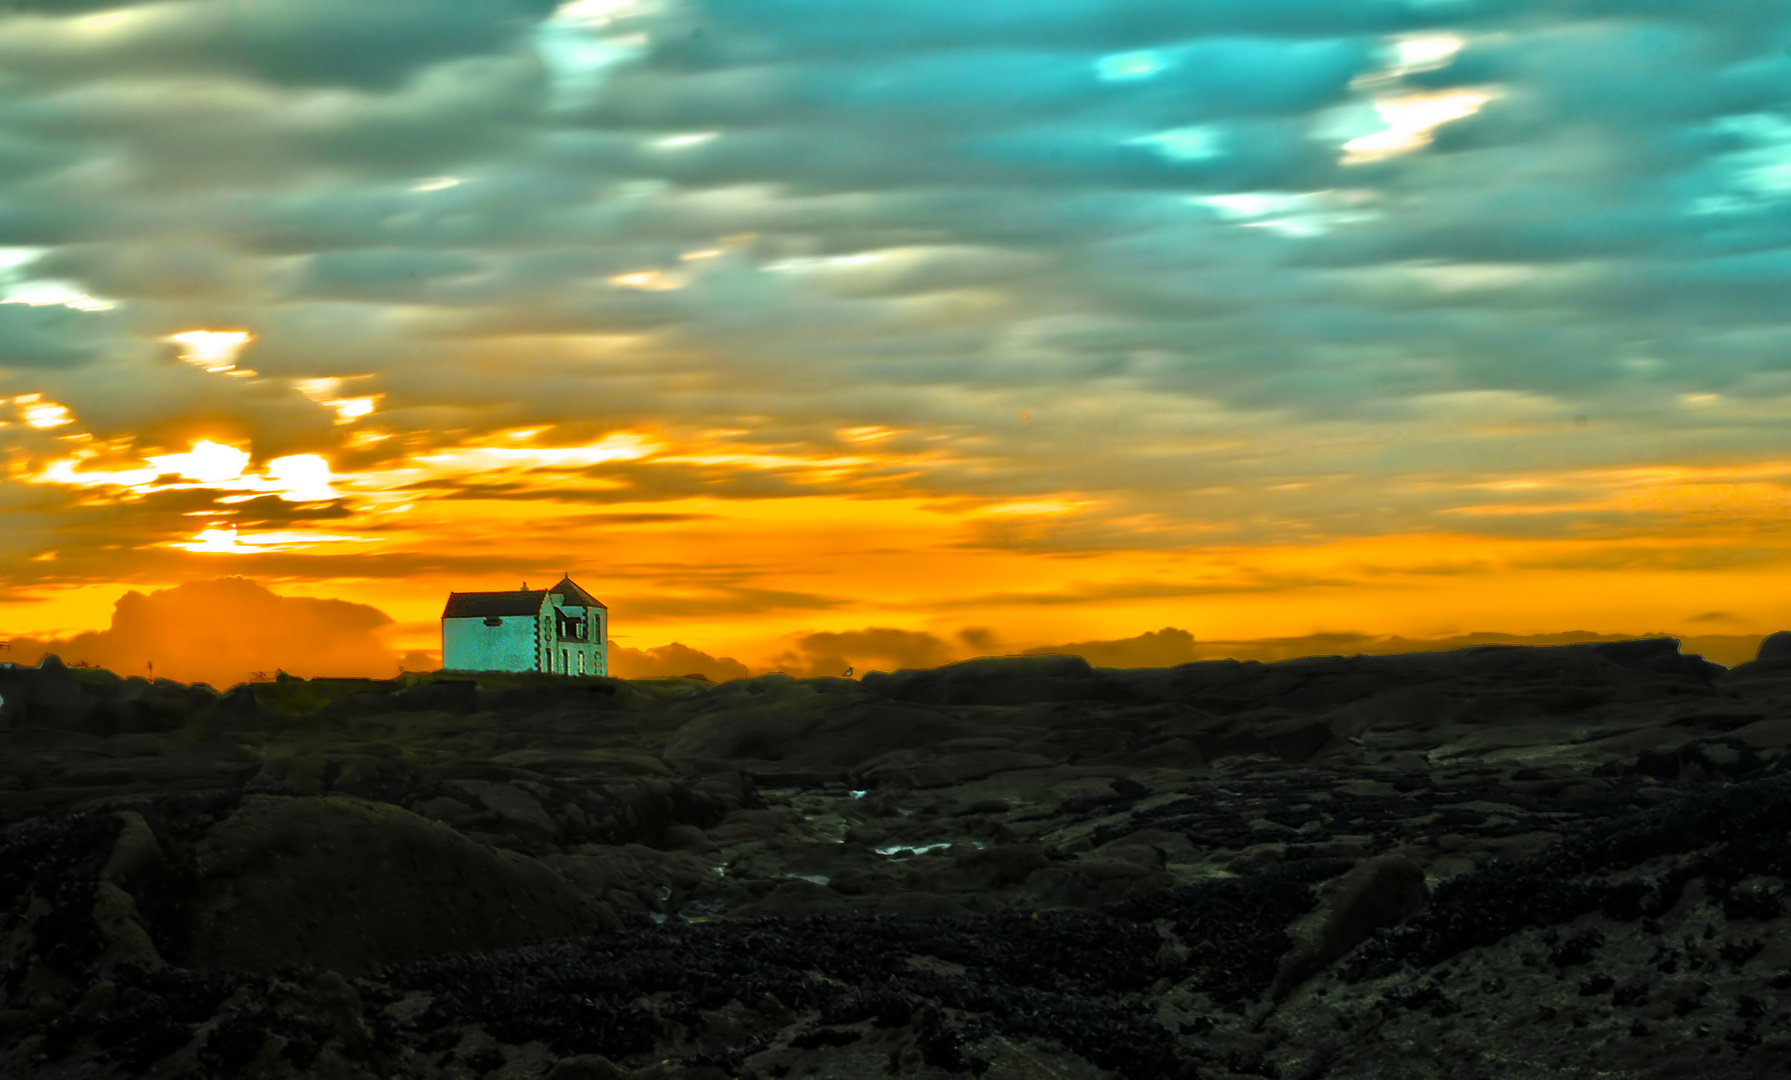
pixel 1025 507
pixel 1410 54
pixel 648 281
pixel 206 465
pixel 214 350
pixel 228 541
pixel 40 414
pixel 207 462
pixel 597 12
pixel 1295 214
pixel 1185 144
pixel 480 460
pixel 1409 122
pixel 578 53
pixel 1121 67
pixel 54 293
pixel 680 142
pixel 327 392
pixel 297 478
pixel 40 292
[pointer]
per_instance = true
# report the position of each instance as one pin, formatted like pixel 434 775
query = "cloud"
pixel 286 42
pixel 672 660
pixel 1729 649
pixel 1158 648
pixel 873 648
pixel 737 228
pixel 1715 617
pixel 887 649
pixel 878 648
pixel 723 599
pixel 426 660
pixel 223 630
pixel 46 335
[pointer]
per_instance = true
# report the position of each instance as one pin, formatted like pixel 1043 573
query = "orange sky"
pixel 748 576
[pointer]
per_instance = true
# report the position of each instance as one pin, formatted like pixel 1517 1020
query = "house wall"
pixel 544 636
pixel 565 654
pixel 600 640
pixel 512 645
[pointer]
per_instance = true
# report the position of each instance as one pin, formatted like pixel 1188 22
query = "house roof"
pixel 472 605
pixel 575 596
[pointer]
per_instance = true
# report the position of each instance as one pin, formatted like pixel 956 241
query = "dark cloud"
pixel 719 599
pixel 669 661
pixel 47 335
pixel 156 271
pixel 1729 649
pixel 1158 648
pixel 222 630
pixel 273 510
pixel 420 660
pixel 388 274
pixel 824 654
pixel 286 42
pixel 873 648
pixel 1136 590
pixel 722 32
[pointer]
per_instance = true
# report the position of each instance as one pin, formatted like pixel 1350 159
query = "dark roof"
pixel 471 605
pixel 575 596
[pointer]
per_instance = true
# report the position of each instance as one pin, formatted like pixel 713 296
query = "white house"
pixel 563 630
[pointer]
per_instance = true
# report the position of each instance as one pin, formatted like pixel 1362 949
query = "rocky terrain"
pixel 1495 862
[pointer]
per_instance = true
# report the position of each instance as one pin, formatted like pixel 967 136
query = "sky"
pixel 809 333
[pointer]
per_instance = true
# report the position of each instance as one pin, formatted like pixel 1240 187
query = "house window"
pixel 565 661
pixel 581 663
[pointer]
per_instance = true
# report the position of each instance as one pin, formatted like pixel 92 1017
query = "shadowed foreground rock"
pixel 1503 861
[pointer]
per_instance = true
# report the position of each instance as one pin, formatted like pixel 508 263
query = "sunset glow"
pixel 1004 329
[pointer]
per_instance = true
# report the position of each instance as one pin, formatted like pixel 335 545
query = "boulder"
pixel 49 696
pixel 921 769
pixel 352 885
pixel 1379 892
pixel 240 710
pixel 1775 648
pixel 1657 654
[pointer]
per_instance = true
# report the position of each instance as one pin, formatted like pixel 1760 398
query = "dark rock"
pixel 585 1067
pixel 51 696
pixel 1005 680
pixel 1656 654
pixel 1378 893
pixel 353 885
pixel 1701 760
pixel 1141 873
pixel 1775 648
pixel 442 695
pixel 240 710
